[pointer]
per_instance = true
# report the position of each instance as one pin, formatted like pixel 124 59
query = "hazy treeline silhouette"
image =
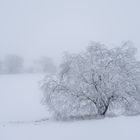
pixel 15 64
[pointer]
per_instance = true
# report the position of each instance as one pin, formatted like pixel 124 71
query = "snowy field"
pixel 20 110
pixel 20 97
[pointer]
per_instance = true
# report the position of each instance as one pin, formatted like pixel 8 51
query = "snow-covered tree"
pixel 13 64
pixel 44 65
pixel 1 66
pixel 95 81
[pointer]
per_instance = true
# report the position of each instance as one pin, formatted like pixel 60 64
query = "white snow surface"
pixel 20 97
pixel 21 110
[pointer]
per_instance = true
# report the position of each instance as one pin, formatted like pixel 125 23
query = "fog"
pixel 34 28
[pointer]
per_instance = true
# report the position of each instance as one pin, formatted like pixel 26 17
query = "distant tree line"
pixel 15 64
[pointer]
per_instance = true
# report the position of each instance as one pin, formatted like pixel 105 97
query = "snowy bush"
pixel 94 83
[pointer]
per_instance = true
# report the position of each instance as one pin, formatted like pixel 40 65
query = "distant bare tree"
pixel 45 65
pixel 1 67
pixel 13 64
pixel 92 82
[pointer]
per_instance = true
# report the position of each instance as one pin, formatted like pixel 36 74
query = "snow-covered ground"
pixel 121 128
pixel 20 107
pixel 20 97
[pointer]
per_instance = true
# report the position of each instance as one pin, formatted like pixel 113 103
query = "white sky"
pixel 49 27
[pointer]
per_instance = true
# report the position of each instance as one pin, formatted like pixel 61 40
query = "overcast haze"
pixel 33 28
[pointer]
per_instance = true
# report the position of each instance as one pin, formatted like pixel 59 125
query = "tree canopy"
pixel 95 81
